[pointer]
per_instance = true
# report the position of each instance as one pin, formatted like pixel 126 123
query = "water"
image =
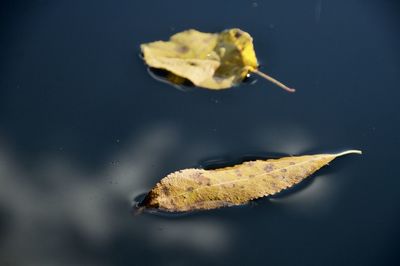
pixel 84 129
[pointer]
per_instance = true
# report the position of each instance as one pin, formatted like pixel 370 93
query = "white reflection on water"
pixel 287 139
pixel 206 235
pixel 44 204
pixel 314 199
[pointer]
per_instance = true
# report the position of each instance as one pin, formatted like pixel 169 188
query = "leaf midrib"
pixel 245 179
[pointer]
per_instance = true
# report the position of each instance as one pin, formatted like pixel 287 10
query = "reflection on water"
pixel 170 79
pixel 313 199
pixel 286 138
pixel 206 235
pixel 64 198
pixel 68 204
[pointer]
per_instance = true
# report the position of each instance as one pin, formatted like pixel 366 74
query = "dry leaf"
pixel 208 60
pixel 199 189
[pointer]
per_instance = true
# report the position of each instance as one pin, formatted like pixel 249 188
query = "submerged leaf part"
pixel 208 60
pixel 199 189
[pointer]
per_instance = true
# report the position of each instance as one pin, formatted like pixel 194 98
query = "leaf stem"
pixel 271 79
pixel 348 152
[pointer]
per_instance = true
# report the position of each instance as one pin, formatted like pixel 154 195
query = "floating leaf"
pixel 208 60
pixel 199 189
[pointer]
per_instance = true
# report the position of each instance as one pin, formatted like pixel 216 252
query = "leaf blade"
pixel 199 189
pixel 209 60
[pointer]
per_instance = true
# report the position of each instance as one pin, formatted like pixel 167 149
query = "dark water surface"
pixel 84 129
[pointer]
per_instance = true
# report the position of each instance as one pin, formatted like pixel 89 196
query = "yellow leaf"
pixel 199 189
pixel 208 60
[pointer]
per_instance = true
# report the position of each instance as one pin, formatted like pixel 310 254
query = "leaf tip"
pixel 349 152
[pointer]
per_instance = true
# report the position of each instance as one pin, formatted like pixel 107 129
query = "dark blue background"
pixel 84 129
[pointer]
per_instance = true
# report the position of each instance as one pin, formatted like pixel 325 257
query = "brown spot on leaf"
pixel 238 34
pixel 283 170
pixel 192 64
pixel 268 168
pixel 274 186
pixel 189 189
pixel 304 170
pixel 201 179
pixel 296 179
pixel 166 191
pixel 183 49
pixel 238 173
pixel 292 163
pixel 251 176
